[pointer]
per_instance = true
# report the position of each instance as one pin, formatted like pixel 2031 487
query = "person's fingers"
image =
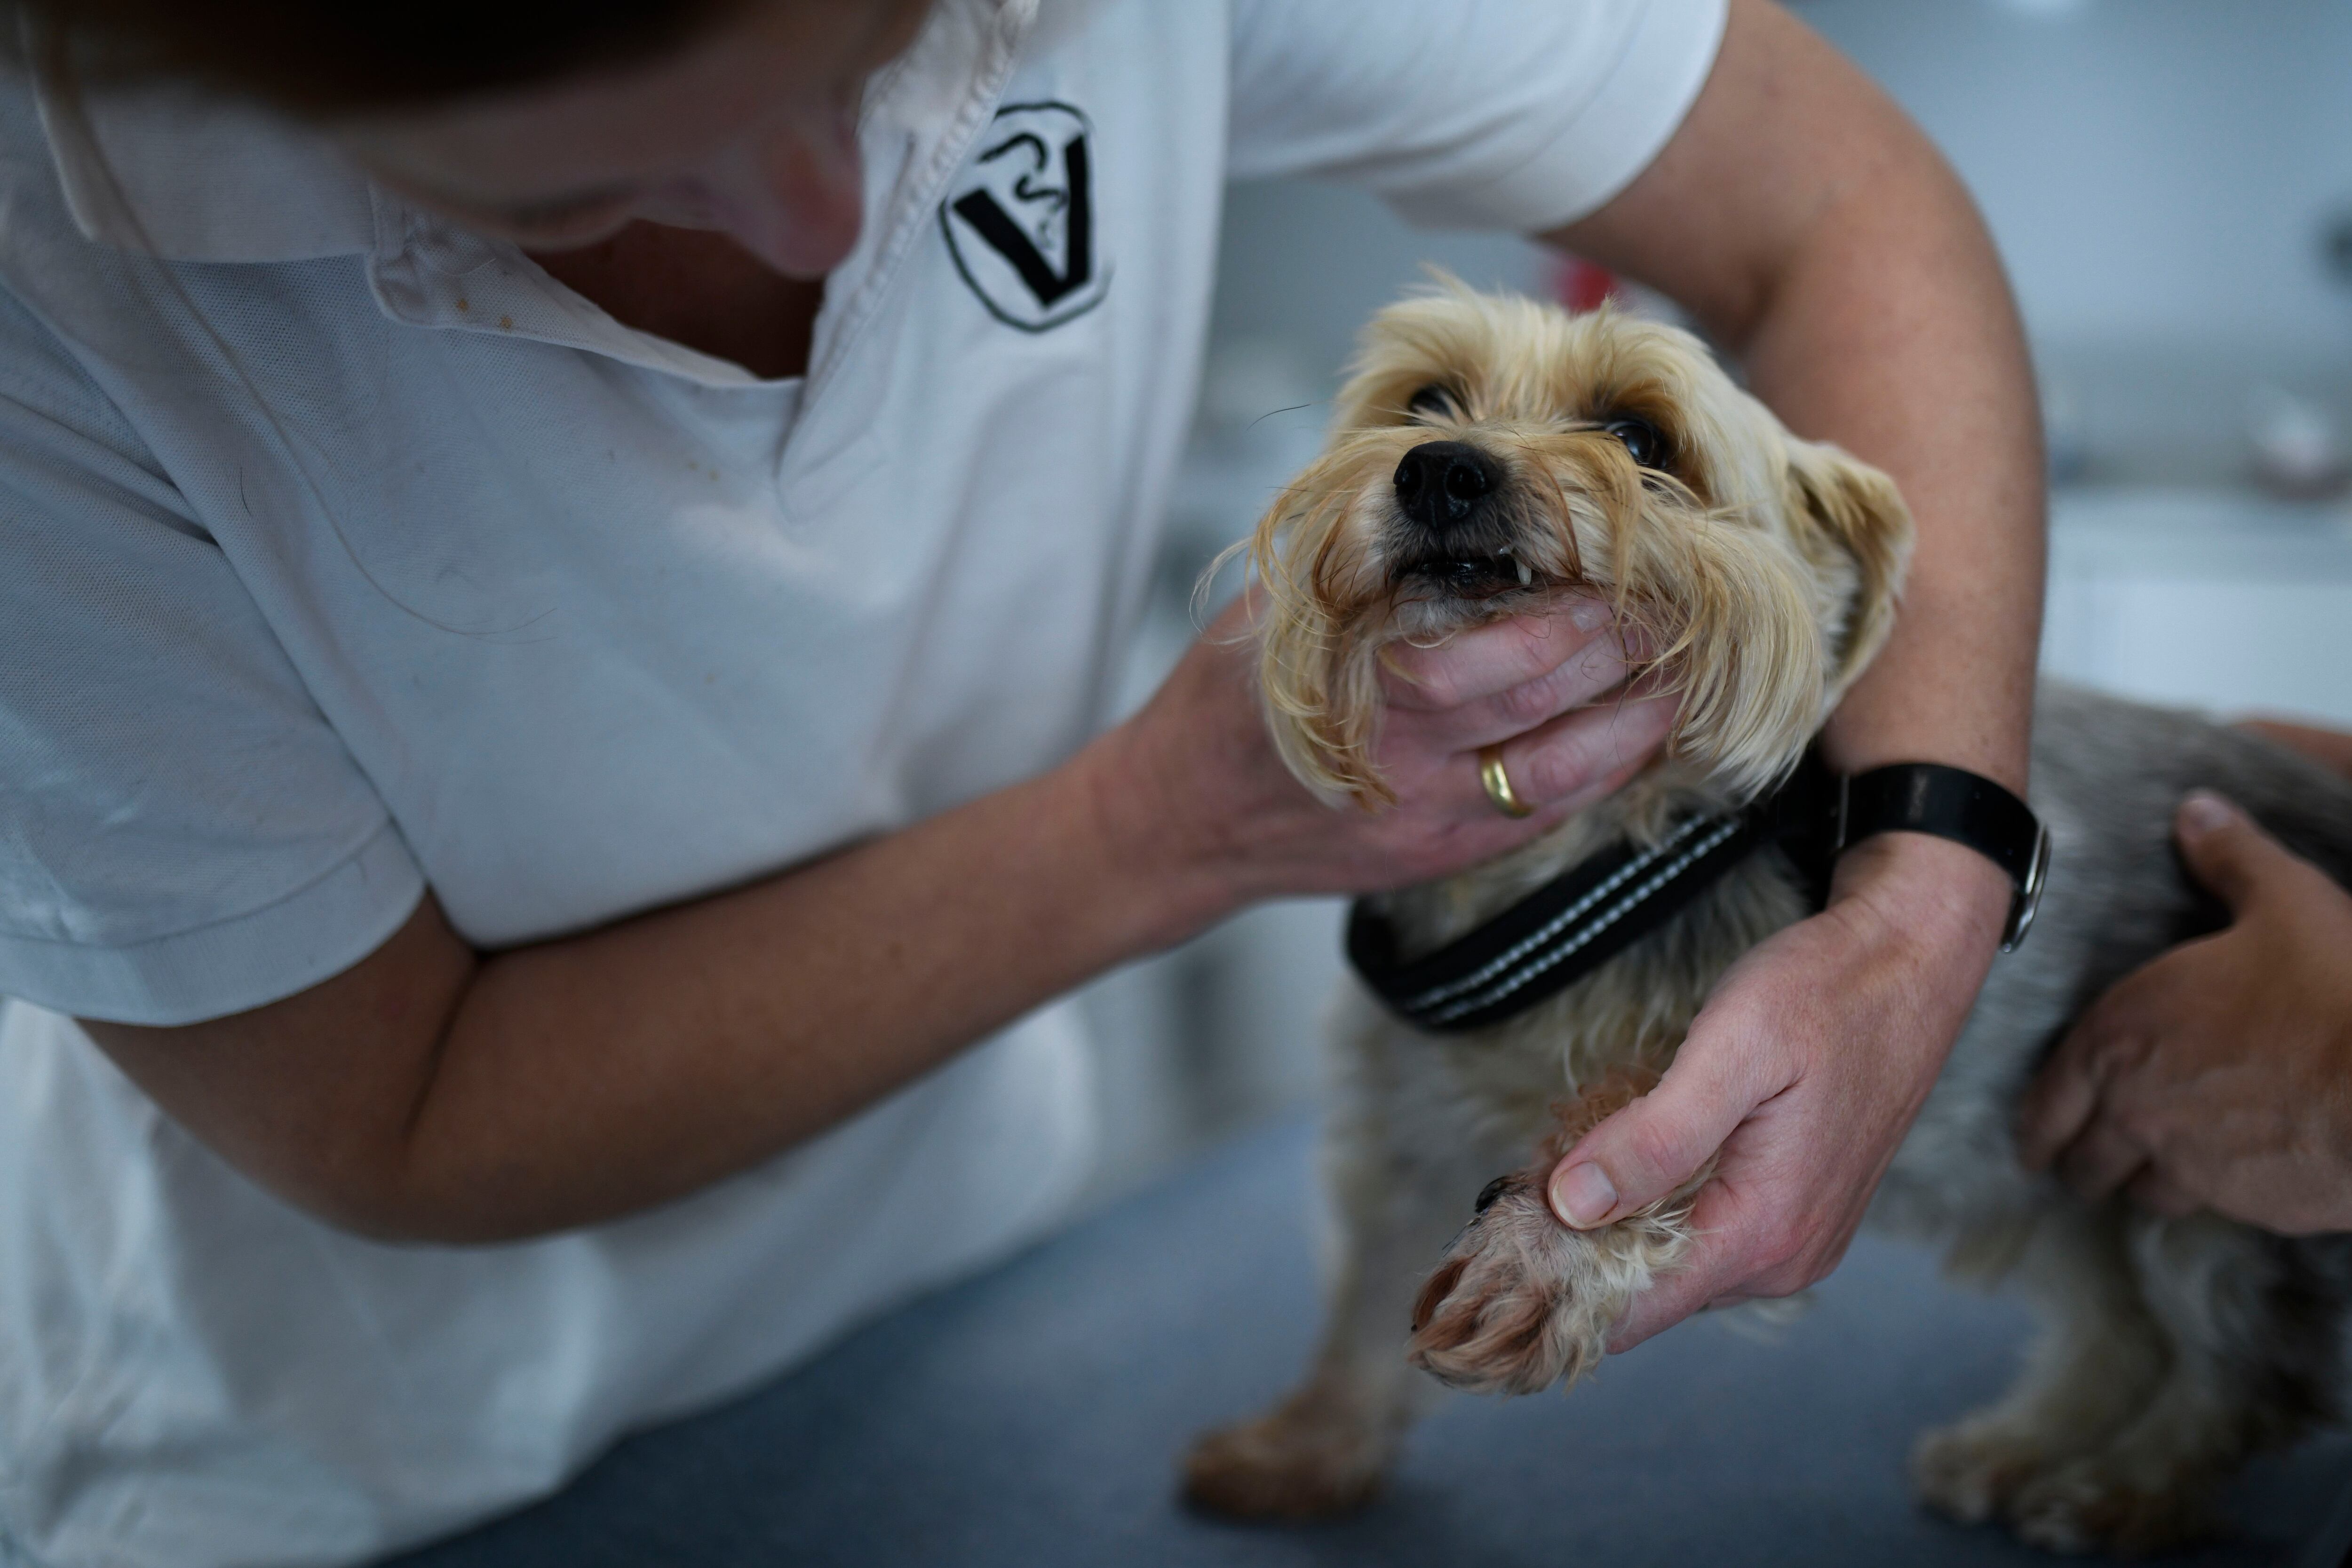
pixel 1667 1301
pixel 2099 1161
pixel 1587 674
pixel 1722 1272
pixel 2226 850
pixel 1590 752
pixel 1492 659
pixel 1711 1271
pixel 2062 1096
pixel 1657 1143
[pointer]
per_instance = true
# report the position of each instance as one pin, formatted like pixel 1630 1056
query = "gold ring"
pixel 1498 784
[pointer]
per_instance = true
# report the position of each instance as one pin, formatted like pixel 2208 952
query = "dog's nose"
pixel 1441 484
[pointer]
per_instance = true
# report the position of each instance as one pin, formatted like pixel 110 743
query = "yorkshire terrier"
pixel 1756 574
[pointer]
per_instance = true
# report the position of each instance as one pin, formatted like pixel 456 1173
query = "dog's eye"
pixel 1641 440
pixel 1490 1192
pixel 1437 400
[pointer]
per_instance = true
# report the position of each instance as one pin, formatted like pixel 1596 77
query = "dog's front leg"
pixel 1321 1450
pixel 1520 1301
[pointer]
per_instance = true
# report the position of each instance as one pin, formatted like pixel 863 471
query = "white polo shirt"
pixel 345 554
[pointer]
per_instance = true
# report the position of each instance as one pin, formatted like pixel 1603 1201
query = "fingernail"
pixel 1582 1196
pixel 1587 614
pixel 2203 811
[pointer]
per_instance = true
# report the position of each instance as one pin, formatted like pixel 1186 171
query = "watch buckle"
pixel 2028 901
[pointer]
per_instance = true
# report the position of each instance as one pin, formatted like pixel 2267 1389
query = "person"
pixel 558 587
pixel 2219 1075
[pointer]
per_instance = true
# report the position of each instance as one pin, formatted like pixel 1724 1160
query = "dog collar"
pixel 1597 908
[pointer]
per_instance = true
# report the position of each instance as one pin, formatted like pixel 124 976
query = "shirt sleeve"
pixel 181 833
pixel 1520 115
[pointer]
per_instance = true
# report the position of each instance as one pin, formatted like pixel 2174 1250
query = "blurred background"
pixel 2170 181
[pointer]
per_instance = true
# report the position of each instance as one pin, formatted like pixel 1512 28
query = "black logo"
pixel 1021 219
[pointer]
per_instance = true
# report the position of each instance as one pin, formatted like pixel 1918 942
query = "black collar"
pixel 1597 908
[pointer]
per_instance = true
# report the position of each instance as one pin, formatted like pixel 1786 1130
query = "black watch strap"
pixel 1953 803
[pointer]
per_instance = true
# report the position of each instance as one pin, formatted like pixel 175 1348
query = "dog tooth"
pixel 1527 575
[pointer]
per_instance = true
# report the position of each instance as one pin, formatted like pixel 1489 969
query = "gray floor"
pixel 1034 1417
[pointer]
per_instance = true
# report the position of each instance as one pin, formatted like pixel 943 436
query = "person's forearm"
pixel 1921 369
pixel 1864 297
pixel 435 1095
pixel 583 1078
pixel 1915 362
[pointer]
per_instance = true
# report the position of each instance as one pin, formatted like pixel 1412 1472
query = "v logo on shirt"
pixel 980 209
pixel 1019 223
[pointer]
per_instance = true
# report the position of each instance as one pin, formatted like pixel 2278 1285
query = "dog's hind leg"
pixel 2099 1361
pixel 2250 1357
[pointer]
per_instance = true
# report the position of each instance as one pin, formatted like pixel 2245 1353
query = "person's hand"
pixel 2219 1075
pixel 1800 1075
pixel 1195 776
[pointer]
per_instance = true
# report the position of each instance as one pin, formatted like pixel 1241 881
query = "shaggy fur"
pixel 1762 570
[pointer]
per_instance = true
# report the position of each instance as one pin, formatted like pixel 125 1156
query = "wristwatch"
pixel 1966 808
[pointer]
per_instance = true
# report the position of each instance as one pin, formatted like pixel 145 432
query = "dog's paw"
pixel 1303 1460
pixel 1971 1470
pixel 1980 1471
pixel 1521 1301
pixel 2085 1506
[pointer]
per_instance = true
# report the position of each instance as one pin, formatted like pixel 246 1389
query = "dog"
pixel 1757 573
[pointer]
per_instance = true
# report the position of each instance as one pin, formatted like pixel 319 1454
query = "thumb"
pixel 2226 850
pixel 1652 1147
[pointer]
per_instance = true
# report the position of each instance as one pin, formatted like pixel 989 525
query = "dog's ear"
pixel 1860 528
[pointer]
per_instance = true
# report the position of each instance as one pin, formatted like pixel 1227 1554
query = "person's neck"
pixel 697 287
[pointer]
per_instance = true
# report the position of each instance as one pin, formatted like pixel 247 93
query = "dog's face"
pixel 1490 449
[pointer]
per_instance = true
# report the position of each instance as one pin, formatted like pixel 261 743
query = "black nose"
pixel 1441 484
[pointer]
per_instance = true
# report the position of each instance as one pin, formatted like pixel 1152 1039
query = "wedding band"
pixel 1498 784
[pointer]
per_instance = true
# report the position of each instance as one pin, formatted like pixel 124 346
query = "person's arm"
pixel 2219 1075
pixel 432 1092
pixel 1813 231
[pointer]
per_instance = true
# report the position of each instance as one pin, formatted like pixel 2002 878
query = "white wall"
pixel 2156 170
pixel 2156 173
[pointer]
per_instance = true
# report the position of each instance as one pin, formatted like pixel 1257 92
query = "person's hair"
pixel 327 58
